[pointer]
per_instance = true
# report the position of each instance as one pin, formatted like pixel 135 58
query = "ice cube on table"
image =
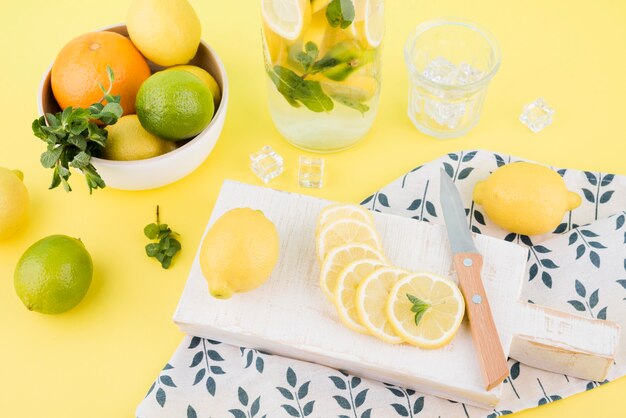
pixel 266 164
pixel 311 172
pixel 537 115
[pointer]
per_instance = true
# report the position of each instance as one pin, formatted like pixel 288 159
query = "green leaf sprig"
pixel 340 13
pixel 167 246
pixel 336 65
pixel 73 137
pixel 419 307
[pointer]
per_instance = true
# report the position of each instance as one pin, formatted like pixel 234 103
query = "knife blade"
pixel 468 263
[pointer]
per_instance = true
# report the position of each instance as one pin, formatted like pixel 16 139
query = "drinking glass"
pixel 322 59
pixel 450 65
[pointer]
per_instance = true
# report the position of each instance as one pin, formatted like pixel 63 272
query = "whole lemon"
pixel 53 275
pixel 239 252
pixel 128 140
pixel 174 105
pixel 167 32
pixel 13 202
pixel 525 198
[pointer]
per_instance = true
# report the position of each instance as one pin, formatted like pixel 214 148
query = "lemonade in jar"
pixel 322 58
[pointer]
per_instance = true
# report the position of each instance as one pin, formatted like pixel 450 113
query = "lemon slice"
pixel 345 231
pixel 288 18
pixel 338 258
pixel 338 211
pixel 317 5
pixel 441 317
pixel 345 291
pixel 371 300
pixel 374 22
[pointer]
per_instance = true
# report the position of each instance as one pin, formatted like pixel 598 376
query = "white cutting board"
pixel 290 316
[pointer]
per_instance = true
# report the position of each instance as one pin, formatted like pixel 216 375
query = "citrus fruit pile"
pixel 372 296
pixel 159 109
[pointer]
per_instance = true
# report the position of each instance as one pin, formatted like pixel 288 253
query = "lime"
pixel 13 202
pixel 128 140
pixel 174 105
pixel 53 275
pixel 207 78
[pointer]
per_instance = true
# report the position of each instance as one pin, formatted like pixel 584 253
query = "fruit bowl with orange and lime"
pixel 150 112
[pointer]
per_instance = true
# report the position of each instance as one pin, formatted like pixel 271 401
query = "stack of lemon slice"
pixel 372 296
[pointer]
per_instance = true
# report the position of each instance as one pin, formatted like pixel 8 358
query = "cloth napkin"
pixel 580 267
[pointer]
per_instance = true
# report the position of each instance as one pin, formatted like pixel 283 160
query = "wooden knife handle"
pixel 484 333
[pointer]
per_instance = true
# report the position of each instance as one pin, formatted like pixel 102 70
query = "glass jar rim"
pixel 424 27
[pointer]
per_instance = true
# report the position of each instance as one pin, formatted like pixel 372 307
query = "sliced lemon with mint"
pixel 425 310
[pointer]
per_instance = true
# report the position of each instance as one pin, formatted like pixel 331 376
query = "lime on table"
pixel 129 141
pixel 53 275
pixel 174 105
pixel 13 202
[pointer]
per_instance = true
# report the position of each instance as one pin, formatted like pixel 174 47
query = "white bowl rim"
pixel 198 138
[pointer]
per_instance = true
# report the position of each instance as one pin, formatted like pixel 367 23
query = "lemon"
pixel 442 308
pixel 373 23
pixel 13 202
pixel 345 291
pixel 371 300
pixel 128 140
pixel 174 105
pixel 338 258
pixel 525 198
pixel 239 252
pixel 337 211
pixel 287 18
pixel 345 231
pixel 167 32
pixel 207 78
pixel 53 275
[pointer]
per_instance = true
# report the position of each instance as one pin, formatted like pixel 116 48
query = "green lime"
pixel 53 275
pixel 174 105
pixel 128 141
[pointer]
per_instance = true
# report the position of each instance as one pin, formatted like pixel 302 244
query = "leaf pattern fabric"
pixel 580 268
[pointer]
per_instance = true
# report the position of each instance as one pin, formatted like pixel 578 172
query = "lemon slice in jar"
pixel 287 18
pixel 369 21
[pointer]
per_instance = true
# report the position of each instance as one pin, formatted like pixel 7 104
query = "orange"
pixel 82 63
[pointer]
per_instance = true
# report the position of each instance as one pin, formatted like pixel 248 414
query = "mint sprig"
pixel 340 13
pixel 73 137
pixel 167 246
pixel 297 90
pixel 419 307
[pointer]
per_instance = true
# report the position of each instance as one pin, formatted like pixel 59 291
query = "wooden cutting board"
pixel 290 316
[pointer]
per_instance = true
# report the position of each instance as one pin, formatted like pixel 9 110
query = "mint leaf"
pixel 354 104
pixel 166 246
pixel 73 137
pixel 298 90
pixel 340 13
pixel 283 81
pixel 311 95
pixel 419 307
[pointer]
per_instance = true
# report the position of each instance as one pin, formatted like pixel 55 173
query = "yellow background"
pixel 99 359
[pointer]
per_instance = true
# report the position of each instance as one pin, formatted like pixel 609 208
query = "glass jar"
pixel 322 59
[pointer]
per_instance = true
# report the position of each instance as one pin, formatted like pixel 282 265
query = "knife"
pixel 468 263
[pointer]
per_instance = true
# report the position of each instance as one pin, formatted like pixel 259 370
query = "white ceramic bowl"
pixel 167 168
